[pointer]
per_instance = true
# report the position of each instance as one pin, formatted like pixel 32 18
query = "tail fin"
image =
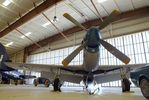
pixel 3 57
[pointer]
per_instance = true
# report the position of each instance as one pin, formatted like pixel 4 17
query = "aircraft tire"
pixel 90 93
pixel 0 78
pixel 57 85
pixel 125 85
pixel 46 83
pixel 144 85
pixel 35 82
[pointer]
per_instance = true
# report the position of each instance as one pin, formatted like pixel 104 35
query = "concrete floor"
pixel 22 92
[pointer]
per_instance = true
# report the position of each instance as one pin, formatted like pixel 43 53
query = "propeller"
pixel 69 58
pixel 118 54
pixel 111 18
pixel 70 18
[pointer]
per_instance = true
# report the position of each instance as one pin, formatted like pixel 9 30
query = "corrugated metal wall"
pixel 17 57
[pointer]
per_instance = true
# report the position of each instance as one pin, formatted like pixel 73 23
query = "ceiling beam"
pixel 142 12
pixel 37 10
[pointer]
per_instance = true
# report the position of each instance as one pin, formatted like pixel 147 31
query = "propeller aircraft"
pixel 90 72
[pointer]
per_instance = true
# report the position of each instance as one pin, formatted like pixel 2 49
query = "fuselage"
pixel 91 50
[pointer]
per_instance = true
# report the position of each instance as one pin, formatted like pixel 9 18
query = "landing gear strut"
pixel 125 81
pixel 57 85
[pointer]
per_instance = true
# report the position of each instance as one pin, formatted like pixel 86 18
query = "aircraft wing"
pixel 67 73
pixel 109 73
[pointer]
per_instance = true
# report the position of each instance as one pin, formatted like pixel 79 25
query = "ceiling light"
pixel 55 19
pixel 101 1
pixel 48 23
pixel 27 34
pixel 22 36
pixel 7 2
pixel 8 44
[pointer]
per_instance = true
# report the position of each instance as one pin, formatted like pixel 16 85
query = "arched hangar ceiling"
pixel 25 17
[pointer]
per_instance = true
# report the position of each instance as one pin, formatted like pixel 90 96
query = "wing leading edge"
pixel 109 73
pixel 67 74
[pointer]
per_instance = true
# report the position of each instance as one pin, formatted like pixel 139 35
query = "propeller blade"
pixel 70 57
pixel 118 54
pixel 70 18
pixel 111 18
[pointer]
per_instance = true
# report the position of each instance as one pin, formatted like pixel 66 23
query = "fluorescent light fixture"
pixel 27 34
pixel 101 1
pixel 48 23
pixel 8 44
pixel 7 2
pixel 22 36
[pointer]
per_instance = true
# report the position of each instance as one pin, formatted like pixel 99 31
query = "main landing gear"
pixel 57 84
pixel 144 85
pixel 125 81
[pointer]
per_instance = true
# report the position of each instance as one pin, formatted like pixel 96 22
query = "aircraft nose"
pixel 93 38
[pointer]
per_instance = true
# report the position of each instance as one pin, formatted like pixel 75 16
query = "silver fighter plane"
pixel 90 72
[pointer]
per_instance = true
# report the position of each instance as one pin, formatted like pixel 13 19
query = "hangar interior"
pixel 35 31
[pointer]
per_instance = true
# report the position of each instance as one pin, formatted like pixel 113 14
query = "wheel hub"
pixel 47 83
